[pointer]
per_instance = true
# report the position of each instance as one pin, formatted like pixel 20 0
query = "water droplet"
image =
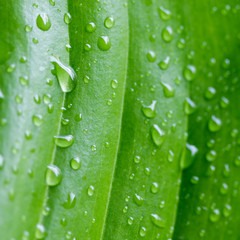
pixel 167 34
pixel 70 202
pixel 109 22
pixel 138 199
pixel 224 102
pixel 164 64
pixel 37 120
pixel 78 117
pixel 1 162
pixel 188 156
pixel 194 179
pixel 94 148
pixel 158 135
pixel 63 221
pixel 214 215
pixel 47 98
pixel 67 18
pixel 149 111
pixel 75 163
pixel 23 80
pixel 28 28
pixel 214 124
pixel 168 90
pixel 227 210
pixel 151 56
pixel 154 187
pixel 224 189
pixel 53 175
pixel 130 220
pixel 170 155
pixel 237 161
pixel 137 159
pixel 142 231
pixel 90 27
pixel 210 93
pixel 104 43
pixel 189 72
pixel 164 13
pixel 40 232
pixel 210 170
pixel 181 43
pixel 211 156
pixel 157 221
pixel 64 141
pixel 90 190
pixel 52 2
pixel 189 106
pixel 43 22
pixel 23 59
pixel 65 74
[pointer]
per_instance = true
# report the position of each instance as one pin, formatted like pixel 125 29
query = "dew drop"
pixel 114 84
pixel 142 232
pixel 53 175
pixel 75 163
pixel 164 13
pixel 104 43
pixel 109 22
pixel 214 215
pixel 227 210
pixel 90 27
pixel 43 22
pixel 65 75
pixel 130 220
pixel 28 28
pixel 224 102
pixel 189 106
pixel 138 199
pixel 149 110
pixel 154 187
pixel 214 124
pixel 1 162
pixel 164 64
pixel 157 221
pixel 67 18
pixel 70 202
pixel 64 141
pixel 90 190
pixel 211 156
pixel 189 72
pixel 167 34
pixel 40 232
pixel 210 93
pixel 151 56
pixel 158 135
pixel 37 120
pixel 189 156
pixel 168 90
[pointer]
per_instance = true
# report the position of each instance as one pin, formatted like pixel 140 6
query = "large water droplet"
pixel 149 111
pixel 43 22
pixel 157 221
pixel 158 135
pixel 214 124
pixel 65 75
pixel 53 175
pixel 164 13
pixel 64 141
pixel 104 43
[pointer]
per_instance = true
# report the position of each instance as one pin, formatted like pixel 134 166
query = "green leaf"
pixel 102 106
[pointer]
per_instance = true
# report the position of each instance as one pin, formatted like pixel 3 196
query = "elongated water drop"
pixel 70 202
pixel 157 221
pixel 65 75
pixel 168 90
pixel 189 106
pixel 158 135
pixel 53 175
pixel 64 141
pixel 43 22
pixel 149 111
pixel 188 156
pixel 138 199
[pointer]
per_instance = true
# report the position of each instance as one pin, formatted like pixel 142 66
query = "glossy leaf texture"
pixel 111 111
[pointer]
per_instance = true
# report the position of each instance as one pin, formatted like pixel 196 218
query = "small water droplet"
pixel 43 22
pixel 109 22
pixel 53 175
pixel 1 162
pixel 227 210
pixel 90 190
pixel 130 220
pixel 151 56
pixel 214 215
pixel 138 199
pixel 168 90
pixel 40 232
pixel 149 111
pixel 214 124
pixel 75 163
pixel 37 120
pixel 211 156
pixel 188 156
pixel 189 72
pixel 164 64
pixel 90 27
pixel 164 13
pixel 28 28
pixel 189 106
pixel 210 93
pixel 64 141
pixel 158 135
pixel 67 18
pixel 154 187
pixel 142 232
pixel 167 34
